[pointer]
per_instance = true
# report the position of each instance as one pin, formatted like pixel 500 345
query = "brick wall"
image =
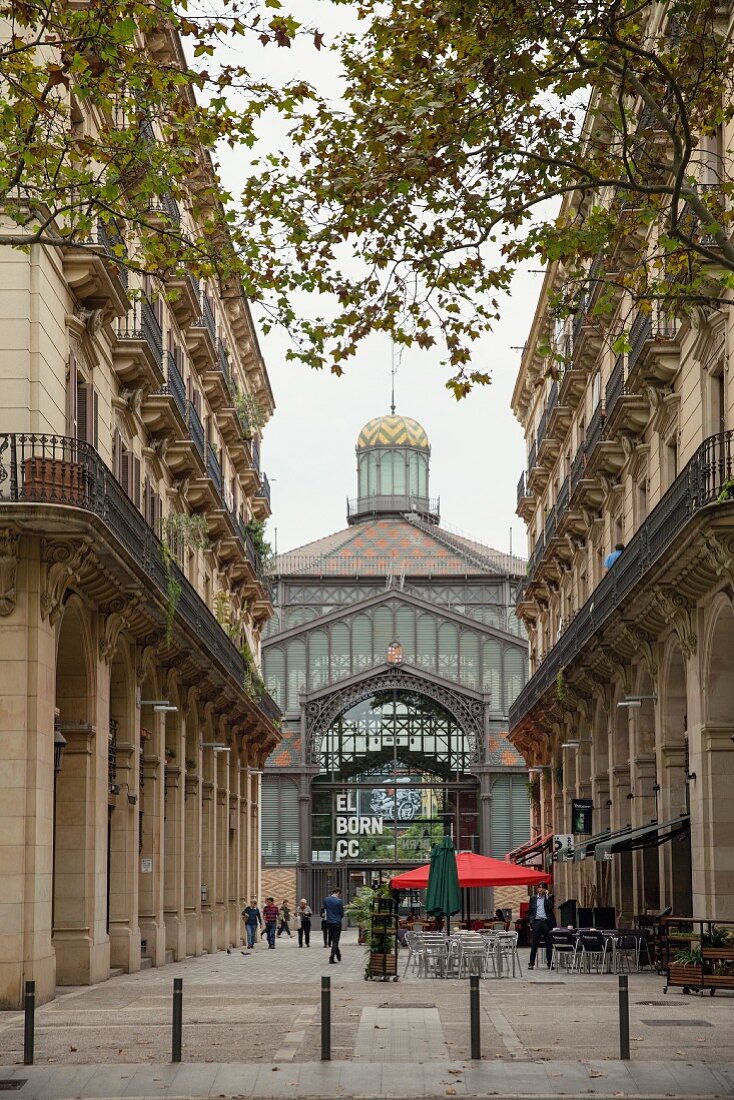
pixel 279 882
pixel 509 897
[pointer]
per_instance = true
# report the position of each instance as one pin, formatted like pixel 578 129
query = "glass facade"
pixel 394 779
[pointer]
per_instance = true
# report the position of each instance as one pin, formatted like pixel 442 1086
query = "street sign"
pixel 563 846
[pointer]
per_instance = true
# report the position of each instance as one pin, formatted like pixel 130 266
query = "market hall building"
pixel 395 654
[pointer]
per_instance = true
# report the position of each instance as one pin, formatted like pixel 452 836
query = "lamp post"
pixel 59 746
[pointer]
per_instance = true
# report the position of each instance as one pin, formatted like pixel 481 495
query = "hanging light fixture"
pixel 395 653
pixel 59 746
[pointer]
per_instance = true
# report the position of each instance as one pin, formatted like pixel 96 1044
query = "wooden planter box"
pixel 53 479
pixel 680 974
pixel 383 964
pixel 718 953
pixel 718 981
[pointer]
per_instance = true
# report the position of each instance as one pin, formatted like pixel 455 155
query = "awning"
pixel 649 836
pixel 586 848
pixel 530 850
pixel 474 870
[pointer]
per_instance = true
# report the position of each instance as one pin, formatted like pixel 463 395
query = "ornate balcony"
pixel 58 471
pixel 654 354
pixel 185 299
pixel 201 337
pixel 95 275
pixel 626 411
pixel 164 412
pixel 694 495
pixel 137 355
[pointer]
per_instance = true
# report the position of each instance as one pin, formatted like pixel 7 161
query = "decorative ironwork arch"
pixel 321 713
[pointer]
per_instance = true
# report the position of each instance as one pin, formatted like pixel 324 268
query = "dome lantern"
pixel 393 455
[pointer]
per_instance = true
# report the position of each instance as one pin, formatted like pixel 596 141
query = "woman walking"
pixel 285 916
pixel 303 921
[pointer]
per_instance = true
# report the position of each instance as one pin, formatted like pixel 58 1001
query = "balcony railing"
pixel 552 400
pixel 109 240
pixel 112 754
pixel 255 447
pixel 175 384
pixel 223 357
pixel 698 485
pixel 48 469
pixel 168 205
pixel 615 385
pixel 214 468
pixel 207 318
pixel 550 526
pixel 264 490
pixel 522 489
pixel 141 323
pixel 562 501
pixel 657 325
pixel 577 467
pixel 196 428
pixel 542 427
pixel 532 456
pixel 408 504
pixel 596 428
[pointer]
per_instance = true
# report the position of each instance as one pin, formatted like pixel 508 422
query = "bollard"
pixel 476 1038
pixel 624 1018
pixel 177 1020
pixel 30 1012
pixel 326 1019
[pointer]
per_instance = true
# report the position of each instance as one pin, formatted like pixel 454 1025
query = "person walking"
pixel 303 923
pixel 253 918
pixel 325 928
pixel 334 907
pixel 541 919
pixel 270 914
pixel 285 917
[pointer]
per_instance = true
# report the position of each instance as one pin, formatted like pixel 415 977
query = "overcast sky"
pixel 308 450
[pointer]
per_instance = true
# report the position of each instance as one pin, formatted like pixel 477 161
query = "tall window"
pixel 279 807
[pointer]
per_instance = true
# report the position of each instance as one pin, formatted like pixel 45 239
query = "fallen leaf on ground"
pixel 450 1091
pixel 595 1073
pixel 556 1075
pixel 459 1071
pixel 73 1049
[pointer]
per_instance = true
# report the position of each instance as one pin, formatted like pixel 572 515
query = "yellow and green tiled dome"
pixel 393 431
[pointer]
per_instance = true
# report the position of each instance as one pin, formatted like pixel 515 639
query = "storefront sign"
pixel 349 824
pixel 562 846
pixel 581 815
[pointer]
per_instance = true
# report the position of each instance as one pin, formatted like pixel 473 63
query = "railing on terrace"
pixel 532 456
pixel 562 501
pixel 51 469
pixel 657 325
pixel 224 363
pixel 196 428
pixel 214 467
pixel 255 447
pixel 207 318
pixel 522 490
pixel 596 427
pixel 112 753
pixel 394 503
pixel 381 565
pixel 109 241
pixel 550 526
pixel 168 205
pixel 697 486
pixel 577 467
pixel 615 385
pixel 552 399
pixel 141 323
pixel 175 384
pixel 542 427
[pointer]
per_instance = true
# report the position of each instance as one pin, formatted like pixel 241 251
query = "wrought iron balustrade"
pixel 542 426
pixel 698 486
pixel 175 384
pixel 214 467
pixel 657 325
pixel 552 399
pixel 532 456
pixel 255 448
pixel 395 503
pixel 196 428
pixel 207 320
pixel 550 526
pixel 562 501
pixel 264 490
pixel 141 323
pixel 522 490
pixel 223 358
pixel 112 754
pixel 58 470
pixel 577 467
pixel 109 240
pixel 596 428
pixel 167 205
pixel 615 385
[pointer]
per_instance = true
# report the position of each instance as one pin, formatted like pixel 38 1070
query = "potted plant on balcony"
pixel 54 480
pixel 170 754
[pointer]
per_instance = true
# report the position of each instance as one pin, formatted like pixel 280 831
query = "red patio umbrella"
pixel 474 870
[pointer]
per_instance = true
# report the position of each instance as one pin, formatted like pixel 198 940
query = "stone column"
pixel 646 878
pixel 173 888
pixel 233 911
pixel 221 850
pixel 712 806
pixel 674 858
pixel 27 664
pixel 152 922
pixel 208 875
pixel 622 862
pixel 124 929
pixel 193 865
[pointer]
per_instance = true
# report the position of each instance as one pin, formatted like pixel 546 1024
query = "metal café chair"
pixel 472 957
pixel 506 948
pixel 412 943
pixel 593 947
pixel 563 942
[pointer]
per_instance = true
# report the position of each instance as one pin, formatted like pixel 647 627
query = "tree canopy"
pixel 472 137
pixel 476 135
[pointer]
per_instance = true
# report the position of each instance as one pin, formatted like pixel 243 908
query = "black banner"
pixel 581 814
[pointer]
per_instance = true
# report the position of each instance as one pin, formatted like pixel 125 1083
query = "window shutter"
pixel 94 438
pixel 125 457
pixel 71 398
pixel 82 410
pixel 147 501
pixel 135 495
pixel 117 454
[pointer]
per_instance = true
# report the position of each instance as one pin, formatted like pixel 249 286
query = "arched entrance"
pixel 394 778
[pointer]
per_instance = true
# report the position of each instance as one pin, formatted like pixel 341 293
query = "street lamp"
pixel 59 746
pixel 634 701
pixel 216 746
pixel 395 653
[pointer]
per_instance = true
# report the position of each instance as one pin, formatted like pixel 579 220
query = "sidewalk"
pixel 370 1080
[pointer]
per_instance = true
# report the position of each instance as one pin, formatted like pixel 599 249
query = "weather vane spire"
pixel 393 372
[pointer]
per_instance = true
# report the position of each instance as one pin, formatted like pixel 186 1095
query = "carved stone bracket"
pixel 469 713
pixel 679 614
pixel 64 559
pixel 719 556
pixel 117 619
pixel 144 662
pixel 8 567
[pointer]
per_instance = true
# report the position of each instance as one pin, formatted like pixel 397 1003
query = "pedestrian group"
pixel 274 920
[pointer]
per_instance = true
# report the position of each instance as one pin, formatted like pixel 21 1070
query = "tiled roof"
pixel 288 752
pixel 501 753
pixel 390 545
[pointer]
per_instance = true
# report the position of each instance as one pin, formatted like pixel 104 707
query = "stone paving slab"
pixel 370 1081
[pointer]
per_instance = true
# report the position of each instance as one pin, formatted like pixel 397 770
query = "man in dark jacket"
pixel 334 907
pixel 541 919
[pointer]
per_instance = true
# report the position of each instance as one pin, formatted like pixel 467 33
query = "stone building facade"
pixel 394 653
pixel 630 701
pixel 133 726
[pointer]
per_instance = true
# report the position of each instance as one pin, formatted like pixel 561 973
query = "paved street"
pixel 541 1034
